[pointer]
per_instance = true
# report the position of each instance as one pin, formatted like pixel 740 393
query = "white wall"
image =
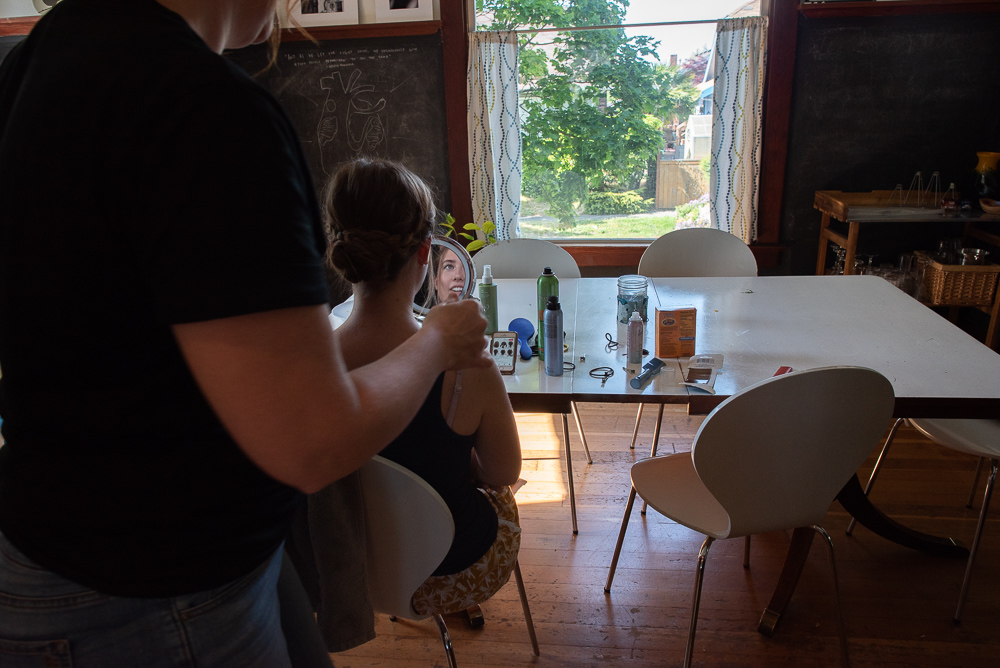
pixel 11 8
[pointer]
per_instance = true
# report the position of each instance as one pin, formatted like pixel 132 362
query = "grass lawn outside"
pixel 535 223
pixel 640 226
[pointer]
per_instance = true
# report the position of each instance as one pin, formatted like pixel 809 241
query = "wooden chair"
pixel 770 457
pixel 409 530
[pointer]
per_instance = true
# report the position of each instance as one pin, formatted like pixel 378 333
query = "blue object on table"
pixel 525 330
pixel 651 368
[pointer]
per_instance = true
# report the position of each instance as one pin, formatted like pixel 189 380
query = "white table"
pixel 760 324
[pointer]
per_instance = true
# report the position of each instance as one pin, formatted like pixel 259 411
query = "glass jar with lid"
pixel 632 297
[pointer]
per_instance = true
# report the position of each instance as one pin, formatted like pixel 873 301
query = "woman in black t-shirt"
pixel 170 381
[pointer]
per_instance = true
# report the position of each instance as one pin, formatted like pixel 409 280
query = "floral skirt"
pixel 446 594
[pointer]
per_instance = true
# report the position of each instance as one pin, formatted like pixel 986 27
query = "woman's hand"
pixel 458 331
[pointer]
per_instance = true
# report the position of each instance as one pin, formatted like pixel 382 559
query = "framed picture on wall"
pixel 324 12
pixel 394 11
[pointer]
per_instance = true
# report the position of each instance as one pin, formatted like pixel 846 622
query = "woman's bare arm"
pixel 496 455
pixel 279 385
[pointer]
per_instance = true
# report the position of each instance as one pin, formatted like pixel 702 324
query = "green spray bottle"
pixel 488 299
pixel 548 285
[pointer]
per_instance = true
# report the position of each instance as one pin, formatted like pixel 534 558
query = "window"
pixel 615 120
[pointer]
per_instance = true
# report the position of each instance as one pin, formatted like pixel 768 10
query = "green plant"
pixel 563 192
pixel 488 231
pixel 626 203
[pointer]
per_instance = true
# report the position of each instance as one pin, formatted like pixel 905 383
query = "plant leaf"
pixel 489 227
pixel 466 236
pixel 471 226
pixel 475 245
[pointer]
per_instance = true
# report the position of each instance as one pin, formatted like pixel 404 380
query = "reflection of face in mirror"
pixel 449 277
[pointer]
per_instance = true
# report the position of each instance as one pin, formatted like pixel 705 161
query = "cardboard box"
pixel 675 330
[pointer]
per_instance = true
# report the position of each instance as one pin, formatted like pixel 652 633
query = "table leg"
pixel 823 243
pixel 569 471
pixel 795 561
pixel 852 498
pixel 993 332
pixel 852 248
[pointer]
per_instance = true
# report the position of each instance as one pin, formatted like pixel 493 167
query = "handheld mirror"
pixel 451 276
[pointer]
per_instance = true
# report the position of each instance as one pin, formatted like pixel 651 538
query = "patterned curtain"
pixel 494 131
pixel 736 124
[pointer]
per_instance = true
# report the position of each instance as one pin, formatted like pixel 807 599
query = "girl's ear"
pixel 424 252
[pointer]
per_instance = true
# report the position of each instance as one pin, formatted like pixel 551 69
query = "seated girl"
pixel 464 440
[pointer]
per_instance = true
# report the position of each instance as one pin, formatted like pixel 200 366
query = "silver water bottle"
pixel 553 323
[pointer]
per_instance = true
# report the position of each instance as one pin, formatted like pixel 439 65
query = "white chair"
pixel 526 258
pixel 771 457
pixel 696 251
pixel 409 530
pixel 980 438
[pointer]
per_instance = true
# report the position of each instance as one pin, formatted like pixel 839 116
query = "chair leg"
pixel 635 432
pixel 975 482
pixel 844 657
pixel 746 553
pixel 446 639
pixel 569 472
pixel 878 465
pixel 979 533
pixel 579 428
pixel 696 600
pixel 525 608
pixel 621 539
pixel 656 442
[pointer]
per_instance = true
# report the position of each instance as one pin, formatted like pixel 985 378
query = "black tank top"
pixel 430 448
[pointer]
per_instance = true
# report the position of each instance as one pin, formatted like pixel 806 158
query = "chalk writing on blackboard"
pixel 376 97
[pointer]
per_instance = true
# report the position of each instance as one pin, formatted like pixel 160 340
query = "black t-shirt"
pixel 145 182
pixel 442 457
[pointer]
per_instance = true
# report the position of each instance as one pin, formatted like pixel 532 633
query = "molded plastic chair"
pixel 696 251
pixel 409 530
pixel 526 258
pixel 975 437
pixel 771 457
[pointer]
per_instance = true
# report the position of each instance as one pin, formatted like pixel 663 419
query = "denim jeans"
pixel 48 621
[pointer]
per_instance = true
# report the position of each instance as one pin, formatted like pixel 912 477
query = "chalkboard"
pixel 876 99
pixel 375 97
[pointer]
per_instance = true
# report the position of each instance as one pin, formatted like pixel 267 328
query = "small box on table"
pixel 675 331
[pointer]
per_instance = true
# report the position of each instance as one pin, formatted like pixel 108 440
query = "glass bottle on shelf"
pixel 838 266
pixel 949 203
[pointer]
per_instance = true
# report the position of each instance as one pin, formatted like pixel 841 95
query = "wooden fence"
pixel 679 182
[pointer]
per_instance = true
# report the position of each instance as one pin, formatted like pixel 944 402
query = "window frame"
pixel 778 87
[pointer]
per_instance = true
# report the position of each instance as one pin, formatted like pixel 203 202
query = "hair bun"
pixel 364 255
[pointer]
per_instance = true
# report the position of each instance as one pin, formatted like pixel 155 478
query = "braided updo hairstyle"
pixel 378 213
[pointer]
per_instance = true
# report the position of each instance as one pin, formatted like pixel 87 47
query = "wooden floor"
pixel 898 603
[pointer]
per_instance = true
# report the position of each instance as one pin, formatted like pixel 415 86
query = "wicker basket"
pixel 959 284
